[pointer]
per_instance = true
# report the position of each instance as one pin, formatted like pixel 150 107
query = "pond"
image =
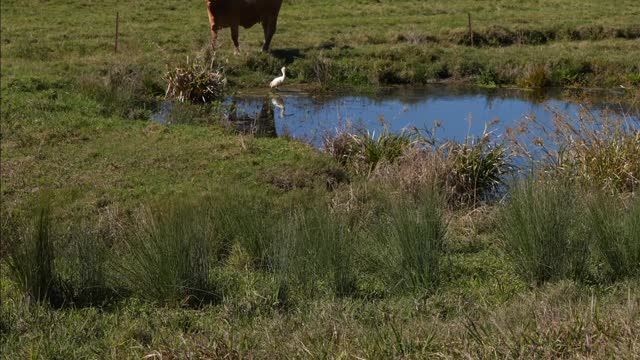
pixel 458 112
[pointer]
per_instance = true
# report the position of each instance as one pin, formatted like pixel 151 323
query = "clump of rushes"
pixel 479 168
pixel 317 248
pixel 408 243
pixel 364 150
pixel 170 255
pixel 202 80
pixel 538 227
pixel 31 261
pixel 615 231
pixel 598 150
pixel 465 173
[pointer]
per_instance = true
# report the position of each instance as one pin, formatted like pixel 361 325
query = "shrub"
pixel 616 233
pixel 538 228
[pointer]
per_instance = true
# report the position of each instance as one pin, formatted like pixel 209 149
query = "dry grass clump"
pixel 200 80
pixel 363 150
pixel 598 150
pixel 466 172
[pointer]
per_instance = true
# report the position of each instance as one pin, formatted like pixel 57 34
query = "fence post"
pixel 470 30
pixel 115 46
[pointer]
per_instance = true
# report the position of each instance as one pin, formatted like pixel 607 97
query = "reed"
pixel 597 149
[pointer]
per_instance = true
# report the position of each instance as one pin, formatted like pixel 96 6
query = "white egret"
pixel 279 80
pixel 279 103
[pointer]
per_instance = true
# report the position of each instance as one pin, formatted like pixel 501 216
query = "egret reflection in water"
pixel 278 102
pixel 459 112
pixel 259 121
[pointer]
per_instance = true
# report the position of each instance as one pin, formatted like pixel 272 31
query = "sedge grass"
pixel 408 243
pixel 538 227
pixel 317 248
pixel 170 255
pixel 615 231
pixel 31 261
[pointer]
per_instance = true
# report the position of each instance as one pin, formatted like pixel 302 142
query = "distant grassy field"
pixel 305 254
pixel 343 43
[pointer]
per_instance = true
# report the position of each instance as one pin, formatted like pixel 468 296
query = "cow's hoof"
pixel 236 52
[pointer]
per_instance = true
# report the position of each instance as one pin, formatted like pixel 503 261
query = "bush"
pixel 538 228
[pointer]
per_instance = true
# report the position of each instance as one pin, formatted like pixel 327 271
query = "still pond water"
pixel 458 111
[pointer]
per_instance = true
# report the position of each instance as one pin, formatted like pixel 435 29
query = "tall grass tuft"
pixel 31 261
pixel 599 150
pixel 249 221
pixel 464 172
pixel 82 266
pixel 317 248
pixel 537 226
pixel 409 243
pixel 198 81
pixel 480 167
pixel 615 230
pixel 170 255
pixel 363 151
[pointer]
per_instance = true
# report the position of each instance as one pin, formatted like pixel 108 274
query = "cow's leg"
pixel 234 37
pixel 269 28
pixel 212 25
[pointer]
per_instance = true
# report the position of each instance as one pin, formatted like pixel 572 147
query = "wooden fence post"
pixel 470 30
pixel 115 47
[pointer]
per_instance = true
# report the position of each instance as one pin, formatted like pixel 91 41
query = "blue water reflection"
pixel 460 112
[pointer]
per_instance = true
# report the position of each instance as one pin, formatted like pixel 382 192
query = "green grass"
pixel 352 43
pixel 171 255
pixel 615 231
pixel 538 226
pixel 301 262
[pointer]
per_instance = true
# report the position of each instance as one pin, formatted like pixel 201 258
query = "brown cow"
pixel 245 13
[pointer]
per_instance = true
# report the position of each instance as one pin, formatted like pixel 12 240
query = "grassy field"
pixel 123 237
pixel 336 43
